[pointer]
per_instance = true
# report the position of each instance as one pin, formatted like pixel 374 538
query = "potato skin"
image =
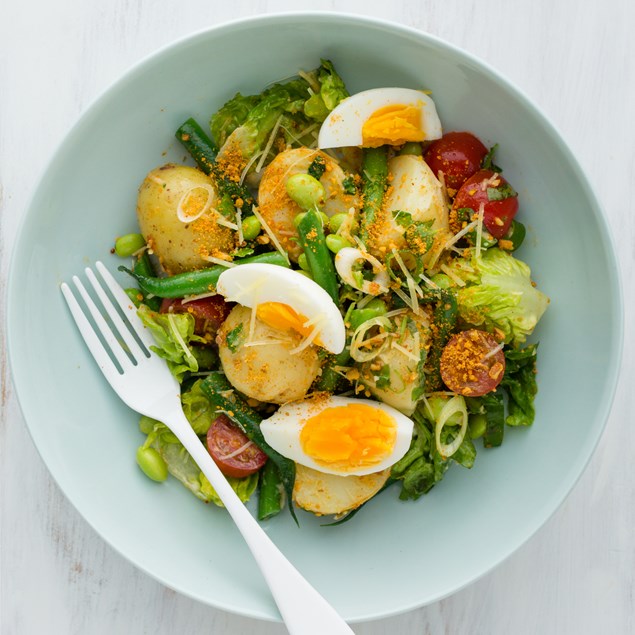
pixel 268 372
pixel 179 246
pixel 322 493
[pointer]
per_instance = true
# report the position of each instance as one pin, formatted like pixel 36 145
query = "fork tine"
pixel 115 347
pixel 134 348
pixel 95 346
pixel 126 306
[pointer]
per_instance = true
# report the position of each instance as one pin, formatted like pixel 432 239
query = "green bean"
pixel 270 495
pixel 152 464
pixel 444 319
pixel 373 309
pixel 336 243
pixel 143 267
pixel 221 394
pixel 196 282
pixel 317 254
pixel 135 295
pixel 198 144
pixel 412 147
pixel 305 190
pixel 477 425
pixel 330 378
pixel 127 245
pixel 251 227
pixel 335 222
pixel 374 178
pixel 204 152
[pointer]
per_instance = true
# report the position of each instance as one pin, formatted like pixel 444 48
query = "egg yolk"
pixel 348 437
pixel 282 317
pixel 393 125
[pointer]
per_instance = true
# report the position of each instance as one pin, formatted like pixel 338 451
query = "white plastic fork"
pixel 146 385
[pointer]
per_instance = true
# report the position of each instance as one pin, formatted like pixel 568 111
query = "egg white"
pixel 282 432
pixel 343 126
pixel 254 283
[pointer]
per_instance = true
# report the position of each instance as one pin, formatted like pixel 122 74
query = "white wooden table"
pixel 575 59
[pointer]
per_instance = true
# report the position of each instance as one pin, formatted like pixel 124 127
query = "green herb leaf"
pixel 501 193
pixel 402 218
pixel 488 160
pixel 383 378
pixel 317 167
pixel 520 383
pixel 234 338
pixel 348 184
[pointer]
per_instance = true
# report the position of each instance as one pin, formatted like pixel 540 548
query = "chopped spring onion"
pixel 182 215
pixel 348 257
pixel 454 404
pixel 358 342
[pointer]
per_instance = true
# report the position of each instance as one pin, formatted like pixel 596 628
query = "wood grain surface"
pixel 575 59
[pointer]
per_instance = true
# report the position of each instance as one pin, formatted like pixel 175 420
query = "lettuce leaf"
pixel 173 333
pixel 499 295
pixel 197 408
pixel 248 121
pixel 183 467
pixel 520 383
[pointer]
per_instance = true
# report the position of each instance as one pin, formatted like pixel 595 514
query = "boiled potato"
pixel 404 374
pixel 279 210
pixel 181 246
pixel 413 189
pixel 332 494
pixel 267 372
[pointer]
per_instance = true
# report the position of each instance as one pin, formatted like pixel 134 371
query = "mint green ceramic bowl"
pixel 393 556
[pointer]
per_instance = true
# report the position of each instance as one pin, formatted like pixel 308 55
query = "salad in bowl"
pixel 334 284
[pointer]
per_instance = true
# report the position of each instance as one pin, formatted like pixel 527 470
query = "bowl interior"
pixel 393 556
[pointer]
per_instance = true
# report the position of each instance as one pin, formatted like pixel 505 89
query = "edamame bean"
pixel 373 309
pixel 305 190
pixel 127 245
pixel 306 274
pixel 335 242
pixel 335 222
pixel 251 227
pixel 412 147
pixel 442 280
pixel 477 426
pixel 152 464
pixel 298 219
pixel 146 424
pixel 302 261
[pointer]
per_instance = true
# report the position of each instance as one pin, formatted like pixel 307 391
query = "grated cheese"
pixel 406 352
pixel 240 450
pixel 219 261
pixel 479 229
pixel 270 233
pixel 239 222
pixel 251 161
pixel 450 274
pixel 272 137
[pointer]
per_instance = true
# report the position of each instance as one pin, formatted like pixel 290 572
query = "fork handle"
pixel 303 609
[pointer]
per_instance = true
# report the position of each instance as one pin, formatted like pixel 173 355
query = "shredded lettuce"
pixel 499 294
pixel 197 408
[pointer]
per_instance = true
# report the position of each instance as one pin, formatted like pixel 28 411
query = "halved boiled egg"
pixel 286 300
pixel 381 116
pixel 339 435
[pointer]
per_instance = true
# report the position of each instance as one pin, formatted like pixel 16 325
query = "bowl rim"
pixel 616 282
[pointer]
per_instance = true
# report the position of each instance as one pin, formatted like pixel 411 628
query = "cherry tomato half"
pixel 500 201
pixel 458 155
pixel 472 363
pixel 209 313
pixel 224 439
